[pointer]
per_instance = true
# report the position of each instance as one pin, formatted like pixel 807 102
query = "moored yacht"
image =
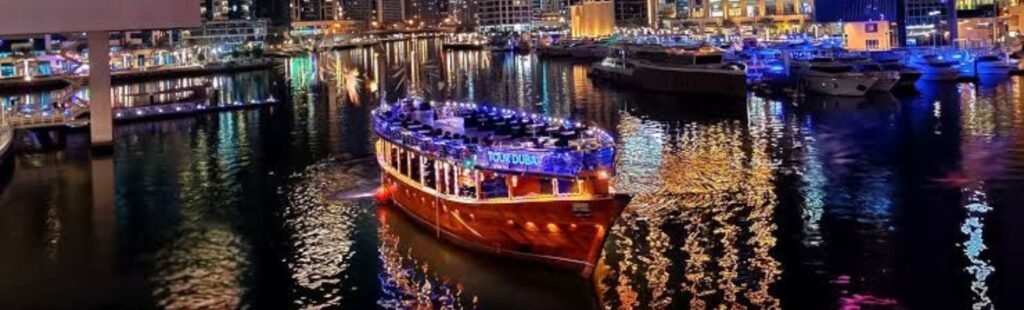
pixel 502 182
pixel 936 68
pixel 700 72
pixel 829 77
pixel 886 79
pixel 989 64
pixel 596 50
pixel 908 75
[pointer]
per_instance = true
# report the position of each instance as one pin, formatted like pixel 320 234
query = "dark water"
pixel 894 202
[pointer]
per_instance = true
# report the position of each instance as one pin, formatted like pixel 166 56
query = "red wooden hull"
pixel 546 231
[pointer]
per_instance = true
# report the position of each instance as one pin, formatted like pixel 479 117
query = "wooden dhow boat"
pixel 502 182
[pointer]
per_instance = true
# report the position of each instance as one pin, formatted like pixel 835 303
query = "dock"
pixel 76 117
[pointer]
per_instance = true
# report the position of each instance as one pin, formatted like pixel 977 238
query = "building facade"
pixel 316 10
pixel 428 11
pixel 504 15
pixel 225 9
pixel 929 22
pixel 390 11
pixel 746 11
pixel 832 11
pixel 631 13
pixel 592 19
pixel 462 12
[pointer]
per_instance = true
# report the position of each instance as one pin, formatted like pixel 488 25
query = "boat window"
pixel 494 186
pixel 832 69
pixel 403 163
pixel 527 186
pixel 394 157
pixel 414 168
pixel 568 187
pixel 430 174
pixel 708 59
pixel 467 184
pixel 871 68
pixel 988 58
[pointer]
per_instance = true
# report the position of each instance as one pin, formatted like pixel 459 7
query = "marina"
pixel 419 154
pixel 813 186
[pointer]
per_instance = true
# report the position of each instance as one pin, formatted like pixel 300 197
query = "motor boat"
pixel 830 77
pixel 886 78
pixel 936 68
pixel 991 64
pixel 908 75
pixel 698 72
pixel 596 50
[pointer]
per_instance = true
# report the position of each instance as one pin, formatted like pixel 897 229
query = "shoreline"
pixel 20 86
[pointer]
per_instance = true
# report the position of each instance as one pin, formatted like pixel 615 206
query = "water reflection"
pixel 820 203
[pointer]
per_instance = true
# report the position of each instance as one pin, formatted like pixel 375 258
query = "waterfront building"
pixel 427 11
pixel 229 32
pixel 592 19
pixel 929 22
pixel 784 14
pixel 1014 18
pixel 225 9
pixel 504 15
pixel 866 24
pixel 390 11
pixel 633 13
pixel 869 35
pixel 832 11
pixel 462 12
pixel 357 10
pixel 978 22
pixel 315 10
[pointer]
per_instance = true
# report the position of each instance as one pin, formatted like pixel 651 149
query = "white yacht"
pixel 908 75
pixel 699 72
pixel 990 64
pixel 887 78
pixel 829 77
pixel 935 68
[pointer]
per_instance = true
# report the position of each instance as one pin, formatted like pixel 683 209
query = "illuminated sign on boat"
pixel 518 159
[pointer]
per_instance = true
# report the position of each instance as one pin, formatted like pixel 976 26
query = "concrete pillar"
pixel 100 122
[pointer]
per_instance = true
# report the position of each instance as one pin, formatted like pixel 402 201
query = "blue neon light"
pixel 517 159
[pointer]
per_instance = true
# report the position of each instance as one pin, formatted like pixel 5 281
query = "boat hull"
pixel 845 86
pixel 697 81
pixel 549 232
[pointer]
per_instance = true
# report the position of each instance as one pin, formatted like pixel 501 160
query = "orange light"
pixel 602 175
pixel 510 223
pixel 530 226
pixel 382 195
pixel 552 227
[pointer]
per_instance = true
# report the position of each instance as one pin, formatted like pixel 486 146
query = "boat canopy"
pixel 491 138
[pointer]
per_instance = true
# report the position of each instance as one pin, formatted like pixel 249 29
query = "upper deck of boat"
pixel 496 139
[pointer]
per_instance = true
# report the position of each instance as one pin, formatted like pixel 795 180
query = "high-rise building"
pixel 592 19
pixel 831 11
pixel 428 11
pixel 746 11
pixel 630 13
pixel 358 10
pixel 507 15
pixel 929 22
pixel 225 9
pixel 463 11
pixel 390 11
pixel 316 10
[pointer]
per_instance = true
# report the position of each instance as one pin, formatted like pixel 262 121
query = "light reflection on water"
pixel 823 203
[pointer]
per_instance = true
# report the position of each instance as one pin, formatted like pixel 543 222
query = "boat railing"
pixel 561 161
